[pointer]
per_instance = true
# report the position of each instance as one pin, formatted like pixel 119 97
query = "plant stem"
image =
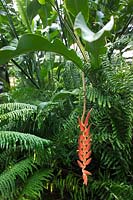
pixel 83 75
pixel 33 82
pixel 4 4
pixel 82 50
pixel 61 24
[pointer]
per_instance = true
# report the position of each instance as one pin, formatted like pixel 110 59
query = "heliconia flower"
pixel 84 147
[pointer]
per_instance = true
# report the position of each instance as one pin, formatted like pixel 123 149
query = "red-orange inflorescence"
pixel 84 147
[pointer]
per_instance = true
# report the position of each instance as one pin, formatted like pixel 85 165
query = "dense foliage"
pixel 49 50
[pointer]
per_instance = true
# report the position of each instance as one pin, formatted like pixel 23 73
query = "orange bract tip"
pixel 87 154
pixel 86 172
pixel 87 131
pixel 82 128
pixel 87 118
pixel 86 147
pixel 87 162
pixel 80 156
pixel 87 141
pixel 85 179
pixel 81 137
pixel 80 164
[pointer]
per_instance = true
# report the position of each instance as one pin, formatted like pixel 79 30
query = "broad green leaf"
pixel 32 9
pixel 32 42
pixel 44 105
pixel 76 6
pixel 47 14
pixel 42 2
pixel 95 42
pixel 63 94
pixel 96 50
pixel 21 6
pixel 44 11
pixel 86 33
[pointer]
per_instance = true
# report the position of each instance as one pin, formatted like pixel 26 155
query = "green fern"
pixel 66 138
pixel 70 185
pixel 13 113
pixel 96 189
pixel 36 184
pixel 111 190
pixel 6 157
pixel 17 114
pixel 15 106
pixel 113 152
pixel 94 95
pixel 9 176
pixel 75 76
pixel 21 142
pixel 71 76
pixel 70 124
pixel 10 139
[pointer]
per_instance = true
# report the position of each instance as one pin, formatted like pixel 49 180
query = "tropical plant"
pixel 20 157
pixel 55 85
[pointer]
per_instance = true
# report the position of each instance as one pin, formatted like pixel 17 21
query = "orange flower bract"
pixel 84 145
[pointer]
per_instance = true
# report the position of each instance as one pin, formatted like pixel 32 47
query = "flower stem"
pixel 83 74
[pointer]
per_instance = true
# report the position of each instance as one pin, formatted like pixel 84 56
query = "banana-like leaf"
pixel 21 6
pixel 42 2
pixel 32 42
pixel 63 94
pixel 86 33
pixel 74 7
pixel 95 42
pixel 32 9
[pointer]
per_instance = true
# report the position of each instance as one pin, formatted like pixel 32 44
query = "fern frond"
pixel 5 157
pixel 70 123
pixel 94 95
pixel 71 185
pixel 67 128
pixel 10 112
pixel 11 139
pixel 9 176
pixel 113 155
pixel 22 114
pixel 105 189
pixel 71 76
pixel 128 114
pixel 15 106
pixel 7 107
pixel 36 183
pixel 75 76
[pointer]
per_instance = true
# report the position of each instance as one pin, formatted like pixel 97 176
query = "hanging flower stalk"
pixel 84 147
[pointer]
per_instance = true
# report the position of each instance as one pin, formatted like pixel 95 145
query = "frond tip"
pixel 11 139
